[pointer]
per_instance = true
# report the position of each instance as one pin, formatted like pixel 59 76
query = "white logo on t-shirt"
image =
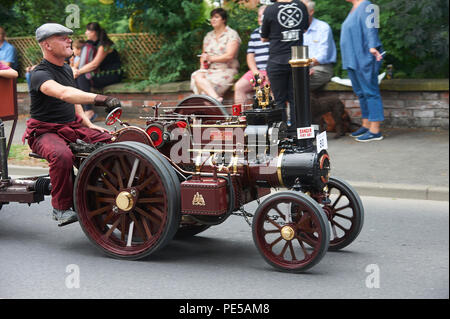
pixel 290 16
pixel 291 35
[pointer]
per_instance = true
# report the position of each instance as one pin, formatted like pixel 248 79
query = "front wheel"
pixel 281 227
pixel 345 213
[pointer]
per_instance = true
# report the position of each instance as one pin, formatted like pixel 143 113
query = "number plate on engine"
pixel 321 141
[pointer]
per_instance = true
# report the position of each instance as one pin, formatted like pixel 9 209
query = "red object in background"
pixel 8 99
pixel 237 109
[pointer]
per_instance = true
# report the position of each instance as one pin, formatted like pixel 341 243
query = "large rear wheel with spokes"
pixel 127 199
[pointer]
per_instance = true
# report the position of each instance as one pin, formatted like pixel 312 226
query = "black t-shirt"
pixel 284 24
pixel 46 108
pixel 112 59
pixel 111 62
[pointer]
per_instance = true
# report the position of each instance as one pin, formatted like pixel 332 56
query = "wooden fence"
pixel 133 49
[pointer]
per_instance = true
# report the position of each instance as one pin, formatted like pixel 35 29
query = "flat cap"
pixel 47 30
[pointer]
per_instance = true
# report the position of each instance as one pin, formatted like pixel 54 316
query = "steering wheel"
pixel 113 116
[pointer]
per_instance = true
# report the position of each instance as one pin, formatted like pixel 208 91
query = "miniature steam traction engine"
pixel 198 163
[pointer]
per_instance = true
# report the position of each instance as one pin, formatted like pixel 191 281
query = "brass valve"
pixel 262 94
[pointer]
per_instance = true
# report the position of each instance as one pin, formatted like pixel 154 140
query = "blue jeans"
pixel 28 77
pixel 365 86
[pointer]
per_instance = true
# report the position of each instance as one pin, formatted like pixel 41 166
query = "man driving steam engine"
pixel 57 117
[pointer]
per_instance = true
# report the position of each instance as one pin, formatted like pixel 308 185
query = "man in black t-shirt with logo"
pixel 57 117
pixel 283 25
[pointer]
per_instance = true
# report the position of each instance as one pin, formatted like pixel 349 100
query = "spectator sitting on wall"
pixel 218 62
pixel 8 54
pixel 7 72
pixel 257 56
pixel 322 49
pixel 103 70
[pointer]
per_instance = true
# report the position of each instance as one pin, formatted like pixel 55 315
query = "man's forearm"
pixel 75 96
pixel 9 74
pixel 85 120
pixel 80 112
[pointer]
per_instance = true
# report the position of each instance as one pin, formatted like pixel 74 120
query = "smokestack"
pixel 300 75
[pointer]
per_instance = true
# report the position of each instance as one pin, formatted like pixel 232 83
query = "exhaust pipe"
pixel 300 62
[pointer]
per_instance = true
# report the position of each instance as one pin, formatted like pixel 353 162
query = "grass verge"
pixel 18 155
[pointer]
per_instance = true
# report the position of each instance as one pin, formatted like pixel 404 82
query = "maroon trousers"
pixel 51 141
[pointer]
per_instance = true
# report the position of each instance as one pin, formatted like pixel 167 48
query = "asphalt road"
pixel 403 247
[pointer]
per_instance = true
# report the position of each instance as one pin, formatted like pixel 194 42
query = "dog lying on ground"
pixel 330 114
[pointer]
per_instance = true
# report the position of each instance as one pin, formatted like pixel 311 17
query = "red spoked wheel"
pixel 113 116
pixel 345 213
pixel 280 226
pixel 127 200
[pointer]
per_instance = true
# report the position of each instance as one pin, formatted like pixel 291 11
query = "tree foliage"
pixel 22 17
pixel 414 33
pixel 181 26
pixel 244 21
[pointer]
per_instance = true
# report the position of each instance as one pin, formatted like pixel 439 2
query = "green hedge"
pixel 414 33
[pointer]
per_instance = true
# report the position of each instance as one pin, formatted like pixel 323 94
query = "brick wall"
pixel 405 109
pixel 402 108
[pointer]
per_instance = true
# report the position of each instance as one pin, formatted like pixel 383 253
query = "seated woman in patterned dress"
pixel 218 62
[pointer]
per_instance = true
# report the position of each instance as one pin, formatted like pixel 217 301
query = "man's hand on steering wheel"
pixel 109 102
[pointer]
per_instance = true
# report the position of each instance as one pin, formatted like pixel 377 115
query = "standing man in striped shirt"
pixel 257 56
